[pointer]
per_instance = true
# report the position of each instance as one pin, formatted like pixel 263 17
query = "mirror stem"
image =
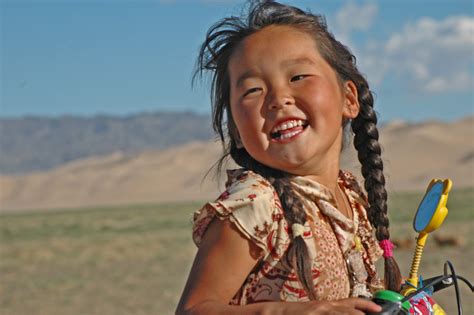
pixel 412 281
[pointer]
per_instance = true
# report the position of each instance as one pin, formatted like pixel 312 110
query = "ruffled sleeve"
pixel 250 202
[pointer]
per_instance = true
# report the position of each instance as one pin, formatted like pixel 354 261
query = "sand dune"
pixel 413 154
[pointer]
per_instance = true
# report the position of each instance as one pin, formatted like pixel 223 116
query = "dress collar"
pixel 326 202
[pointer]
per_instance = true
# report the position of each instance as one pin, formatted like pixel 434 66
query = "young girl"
pixel 291 226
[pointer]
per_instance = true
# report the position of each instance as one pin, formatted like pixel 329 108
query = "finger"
pixel 365 305
pixel 346 311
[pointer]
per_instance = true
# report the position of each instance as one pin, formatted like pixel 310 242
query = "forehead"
pixel 274 43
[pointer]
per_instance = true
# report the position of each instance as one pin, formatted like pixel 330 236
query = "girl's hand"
pixel 346 306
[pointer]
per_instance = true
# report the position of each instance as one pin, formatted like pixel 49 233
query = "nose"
pixel 280 98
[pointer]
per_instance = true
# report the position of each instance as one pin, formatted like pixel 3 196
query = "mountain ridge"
pixel 34 143
pixel 413 154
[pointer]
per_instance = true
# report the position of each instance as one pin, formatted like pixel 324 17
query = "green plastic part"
pixel 392 296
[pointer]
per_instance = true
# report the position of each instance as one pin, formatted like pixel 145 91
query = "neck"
pixel 327 175
pixel 326 170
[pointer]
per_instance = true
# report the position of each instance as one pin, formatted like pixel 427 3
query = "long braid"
pixel 298 253
pixel 369 153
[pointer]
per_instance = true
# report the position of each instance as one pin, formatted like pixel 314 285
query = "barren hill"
pixel 413 154
pixel 30 144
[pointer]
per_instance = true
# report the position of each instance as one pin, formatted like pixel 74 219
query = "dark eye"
pixel 252 90
pixel 298 77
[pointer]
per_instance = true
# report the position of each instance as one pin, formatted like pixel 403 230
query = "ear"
pixel 351 105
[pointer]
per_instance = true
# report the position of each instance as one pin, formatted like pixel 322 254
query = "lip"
pixel 290 137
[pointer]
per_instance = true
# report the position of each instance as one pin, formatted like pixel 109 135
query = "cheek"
pixel 242 123
pixel 329 102
pixel 239 117
pixel 247 117
pixel 250 125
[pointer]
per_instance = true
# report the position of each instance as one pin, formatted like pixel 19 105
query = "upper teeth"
pixel 288 125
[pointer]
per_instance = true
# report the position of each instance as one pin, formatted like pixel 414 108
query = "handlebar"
pixel 393 303
pixel 415 295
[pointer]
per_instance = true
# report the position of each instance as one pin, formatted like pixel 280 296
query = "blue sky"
pixel 87 57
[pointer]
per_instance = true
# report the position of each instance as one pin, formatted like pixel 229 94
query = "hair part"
pixel 222 39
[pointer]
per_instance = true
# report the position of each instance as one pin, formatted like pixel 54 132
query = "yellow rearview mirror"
pixel 430 215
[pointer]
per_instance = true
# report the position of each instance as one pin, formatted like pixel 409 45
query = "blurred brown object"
pixel 403 243
pixel 448 240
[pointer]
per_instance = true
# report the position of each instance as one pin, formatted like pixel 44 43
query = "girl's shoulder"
pixel 239 180
pixel 249 201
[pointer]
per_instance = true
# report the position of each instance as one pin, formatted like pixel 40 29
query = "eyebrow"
pixel 285 63
pixel 297 61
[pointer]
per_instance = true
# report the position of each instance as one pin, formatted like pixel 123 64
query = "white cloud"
pixel 430 55
pixel 353 17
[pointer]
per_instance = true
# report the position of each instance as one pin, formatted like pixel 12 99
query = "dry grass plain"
pixel 135 259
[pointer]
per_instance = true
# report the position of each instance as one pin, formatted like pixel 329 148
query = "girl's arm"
pixel 223 262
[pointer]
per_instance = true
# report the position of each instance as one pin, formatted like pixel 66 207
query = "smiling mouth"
pixel 288 129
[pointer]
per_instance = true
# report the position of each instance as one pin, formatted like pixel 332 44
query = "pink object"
pixel 387 247
pixel 423 304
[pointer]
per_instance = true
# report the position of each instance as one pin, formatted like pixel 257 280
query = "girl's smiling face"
pixel 287 102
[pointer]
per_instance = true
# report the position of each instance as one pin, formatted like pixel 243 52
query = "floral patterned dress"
pixel 252 204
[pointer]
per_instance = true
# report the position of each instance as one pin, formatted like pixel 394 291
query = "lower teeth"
pixel 288 135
